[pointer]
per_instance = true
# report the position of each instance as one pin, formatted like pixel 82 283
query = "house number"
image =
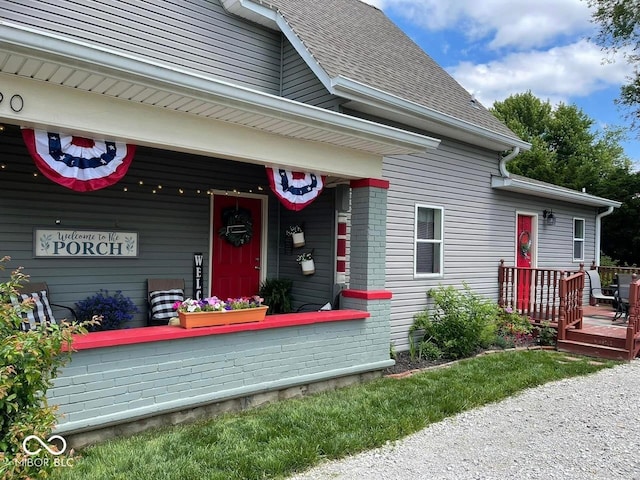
pixel 16 103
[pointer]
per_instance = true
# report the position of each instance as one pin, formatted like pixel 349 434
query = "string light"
pixel 159 188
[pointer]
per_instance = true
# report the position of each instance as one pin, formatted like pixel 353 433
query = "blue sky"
pixel 496 48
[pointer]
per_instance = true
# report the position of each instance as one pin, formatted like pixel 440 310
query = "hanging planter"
pixel 308 267
pixel 297 236
pixel 306 263
pixel 298 239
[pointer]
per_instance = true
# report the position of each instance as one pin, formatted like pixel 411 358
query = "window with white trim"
pixel 578 239
pixel 428 240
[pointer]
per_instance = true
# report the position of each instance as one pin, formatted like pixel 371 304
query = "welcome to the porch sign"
pixel 84 243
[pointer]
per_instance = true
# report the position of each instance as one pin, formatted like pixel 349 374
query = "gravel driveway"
pixel 579 428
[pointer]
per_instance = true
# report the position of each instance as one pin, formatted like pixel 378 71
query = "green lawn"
pixel 289 436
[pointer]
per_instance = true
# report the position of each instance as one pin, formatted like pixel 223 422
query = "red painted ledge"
pixel 113 338
pixel 369 182
pixel 368 294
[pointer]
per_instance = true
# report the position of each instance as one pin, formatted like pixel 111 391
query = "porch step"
pixel 583 336
pixel 592 350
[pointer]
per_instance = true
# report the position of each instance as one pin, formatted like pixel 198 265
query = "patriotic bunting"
pixel 81 164
pixel 295 190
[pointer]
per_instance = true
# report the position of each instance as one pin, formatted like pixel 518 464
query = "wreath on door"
pixel 238 226
pixel 525 243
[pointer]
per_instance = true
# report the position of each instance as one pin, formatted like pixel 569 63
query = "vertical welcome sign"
pixel 197 276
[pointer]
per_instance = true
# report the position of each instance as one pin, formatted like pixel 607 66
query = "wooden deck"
pixel 599 336
pixel 554 298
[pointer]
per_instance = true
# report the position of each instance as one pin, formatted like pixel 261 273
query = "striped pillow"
pixel 41 312
pixel 161 303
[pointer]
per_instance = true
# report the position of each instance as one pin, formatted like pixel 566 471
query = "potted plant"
pixel 277 294
pixel 306 263
pixel 297 235
pixel 212 311
pixel 116 310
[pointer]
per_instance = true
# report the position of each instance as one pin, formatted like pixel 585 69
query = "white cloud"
pixel 558 74
pixel 499 23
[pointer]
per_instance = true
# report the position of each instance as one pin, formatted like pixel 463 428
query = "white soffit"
pixel 66 62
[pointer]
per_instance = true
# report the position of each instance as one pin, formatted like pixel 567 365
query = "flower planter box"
pixel 228 317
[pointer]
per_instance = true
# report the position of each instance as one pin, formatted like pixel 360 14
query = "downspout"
pixel 503 163
pixel 608 211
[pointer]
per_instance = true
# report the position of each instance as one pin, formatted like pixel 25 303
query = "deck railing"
pixel 571 288
pixel 633 325
pixel 536 293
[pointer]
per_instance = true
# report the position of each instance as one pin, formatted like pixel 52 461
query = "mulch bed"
pixel 405 364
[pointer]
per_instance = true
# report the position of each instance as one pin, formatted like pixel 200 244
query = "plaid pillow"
pixel 41 312
pixel 161 303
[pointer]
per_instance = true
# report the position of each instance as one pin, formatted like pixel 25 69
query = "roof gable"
pixel 353 41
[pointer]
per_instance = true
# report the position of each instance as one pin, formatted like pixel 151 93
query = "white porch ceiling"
pixel 65 63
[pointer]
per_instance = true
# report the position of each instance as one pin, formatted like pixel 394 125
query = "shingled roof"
pixel 353 40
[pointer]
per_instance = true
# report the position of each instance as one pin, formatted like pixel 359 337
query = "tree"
pixel 619 31
pixel 567 151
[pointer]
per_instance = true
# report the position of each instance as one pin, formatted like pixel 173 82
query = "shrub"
pixel 276 293
pixel 30 362
pixel 547 335
pixel 459 324
pixel 115 310
pixel 513 330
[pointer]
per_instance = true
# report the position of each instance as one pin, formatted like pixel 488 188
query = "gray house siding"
pixel 171 226
pixel 197 35
pixel 301 84
pixel 479 227
pixel 318 222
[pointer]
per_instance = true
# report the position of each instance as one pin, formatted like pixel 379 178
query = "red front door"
pixel 524 251
pixel 236 246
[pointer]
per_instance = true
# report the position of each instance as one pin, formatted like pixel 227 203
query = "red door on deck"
pixel 524 249
pixel 237 226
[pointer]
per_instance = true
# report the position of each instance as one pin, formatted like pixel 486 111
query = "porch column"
pixel 367 263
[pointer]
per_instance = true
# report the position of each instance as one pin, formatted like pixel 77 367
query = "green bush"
pixel 547 335
pixel 459 325
pixel 513 329
pixel 277 294
pixel 30 362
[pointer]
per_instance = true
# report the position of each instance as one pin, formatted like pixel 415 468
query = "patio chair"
pixel 622 295
pixel 320 307
pixel 596 287
pixel 162 293
pixel 42 311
